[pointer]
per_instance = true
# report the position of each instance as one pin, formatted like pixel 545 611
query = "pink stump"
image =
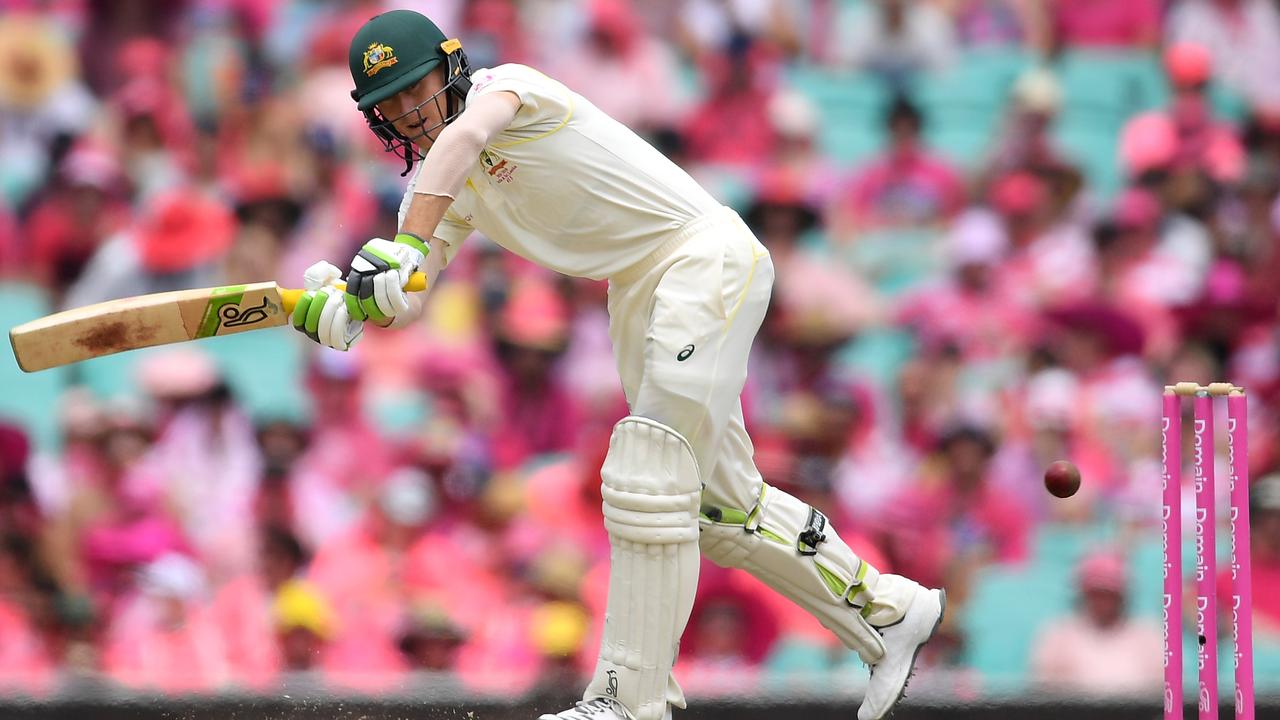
pixel 1171 545
pixel 1241 585
pixel 1206 561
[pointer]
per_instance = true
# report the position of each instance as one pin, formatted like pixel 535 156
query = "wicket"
pixel 1206 547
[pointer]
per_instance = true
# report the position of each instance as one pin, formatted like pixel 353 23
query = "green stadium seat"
pixel 1094 149
pixel 895 261
pixel 29 399
pixel 851 107
pixel 262 369
pixel 1110 86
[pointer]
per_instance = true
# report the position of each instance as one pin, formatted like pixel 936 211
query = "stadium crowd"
pixel 942 327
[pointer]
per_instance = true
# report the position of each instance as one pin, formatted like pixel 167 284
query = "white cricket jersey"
pixel 566 186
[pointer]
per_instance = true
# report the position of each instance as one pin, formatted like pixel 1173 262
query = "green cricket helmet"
pixel 390 53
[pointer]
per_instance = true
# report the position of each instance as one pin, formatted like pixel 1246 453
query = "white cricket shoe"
pixel 597 709
pixel 902 642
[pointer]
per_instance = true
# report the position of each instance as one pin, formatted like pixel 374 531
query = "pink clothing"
pixel 1107 23
pixel 932 526
pixel 361 580
pixel 732 129
pixel 912 188
pixel 609 81
pixel 1266 594
pixel 535 422
pixel 984 325
pixel 242 609
pixel 1074 655
pixel 24 661
pixel 146 652
pixel 1057 267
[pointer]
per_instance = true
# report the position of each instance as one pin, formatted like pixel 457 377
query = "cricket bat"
pixel 157 319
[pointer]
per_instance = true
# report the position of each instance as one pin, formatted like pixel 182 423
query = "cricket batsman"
pixel 540 171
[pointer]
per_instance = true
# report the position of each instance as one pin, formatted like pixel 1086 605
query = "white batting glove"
pixel 379 272
pixel 325 313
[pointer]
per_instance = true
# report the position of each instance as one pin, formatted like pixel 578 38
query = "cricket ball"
pixel 1062 479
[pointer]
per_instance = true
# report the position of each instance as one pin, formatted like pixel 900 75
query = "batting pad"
pixel 651 491
pixel 791 547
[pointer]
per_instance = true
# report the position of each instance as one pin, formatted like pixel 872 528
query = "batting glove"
pixel 380 271
pixel 325 313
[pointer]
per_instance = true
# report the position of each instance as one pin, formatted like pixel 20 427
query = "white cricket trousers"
pixel 682 323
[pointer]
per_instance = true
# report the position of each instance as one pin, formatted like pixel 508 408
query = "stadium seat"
pixel 30 399
pixel 260 367
pixel 851 107
pixel 1109 87
pixel 895 261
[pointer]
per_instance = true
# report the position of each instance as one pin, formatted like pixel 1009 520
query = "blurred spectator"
pixel 430 639
pixel 114 519
pixel 907 185
pixel 728 635
pixel 1100 650
pixel 537 413
pixel 614 58
pixel 969 309
pixel 26 663
pixel 1264 546
pixel 710 27
pixel 257 610
pixel 346 459
pixel 897 39
pixel 42 102
pixel 1051 259
pixel 731 126
pixel 1241 36
pixel 1000 23
pixel 953 521
pixel 174 243
pixel 206 457
pixel 360 572
pixel 304 623
pixel 798 155
pixel 66 227
pixel 1186 142
pixel 163 637
pixel 1026 142
pixel 1102 24
pixel 492 33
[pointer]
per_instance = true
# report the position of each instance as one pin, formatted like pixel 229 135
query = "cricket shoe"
pixel 902 642
pixel 597 709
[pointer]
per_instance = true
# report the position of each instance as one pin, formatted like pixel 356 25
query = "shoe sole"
pixel 942 611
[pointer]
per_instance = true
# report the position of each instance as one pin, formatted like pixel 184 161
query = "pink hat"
pixel 181 229
pixel 178 373
pixel 1148 142
pixel 1137 208
pixel 1188 64
pixel 535 316
pixel 1102 570
pixel 1018 193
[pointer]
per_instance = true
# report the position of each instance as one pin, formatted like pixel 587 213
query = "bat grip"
pixel 289 297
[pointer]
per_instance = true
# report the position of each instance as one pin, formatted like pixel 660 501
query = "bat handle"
pixel 289 297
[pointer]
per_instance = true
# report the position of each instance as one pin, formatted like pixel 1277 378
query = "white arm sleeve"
pixel 453 154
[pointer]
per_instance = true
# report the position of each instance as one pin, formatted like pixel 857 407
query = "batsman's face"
pixel 418 111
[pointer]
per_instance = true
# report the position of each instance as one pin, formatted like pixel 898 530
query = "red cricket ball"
pixel 1062 479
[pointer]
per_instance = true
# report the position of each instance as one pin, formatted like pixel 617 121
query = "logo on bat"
pixel 233 316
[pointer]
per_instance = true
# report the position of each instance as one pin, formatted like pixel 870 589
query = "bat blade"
pixel 145 321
